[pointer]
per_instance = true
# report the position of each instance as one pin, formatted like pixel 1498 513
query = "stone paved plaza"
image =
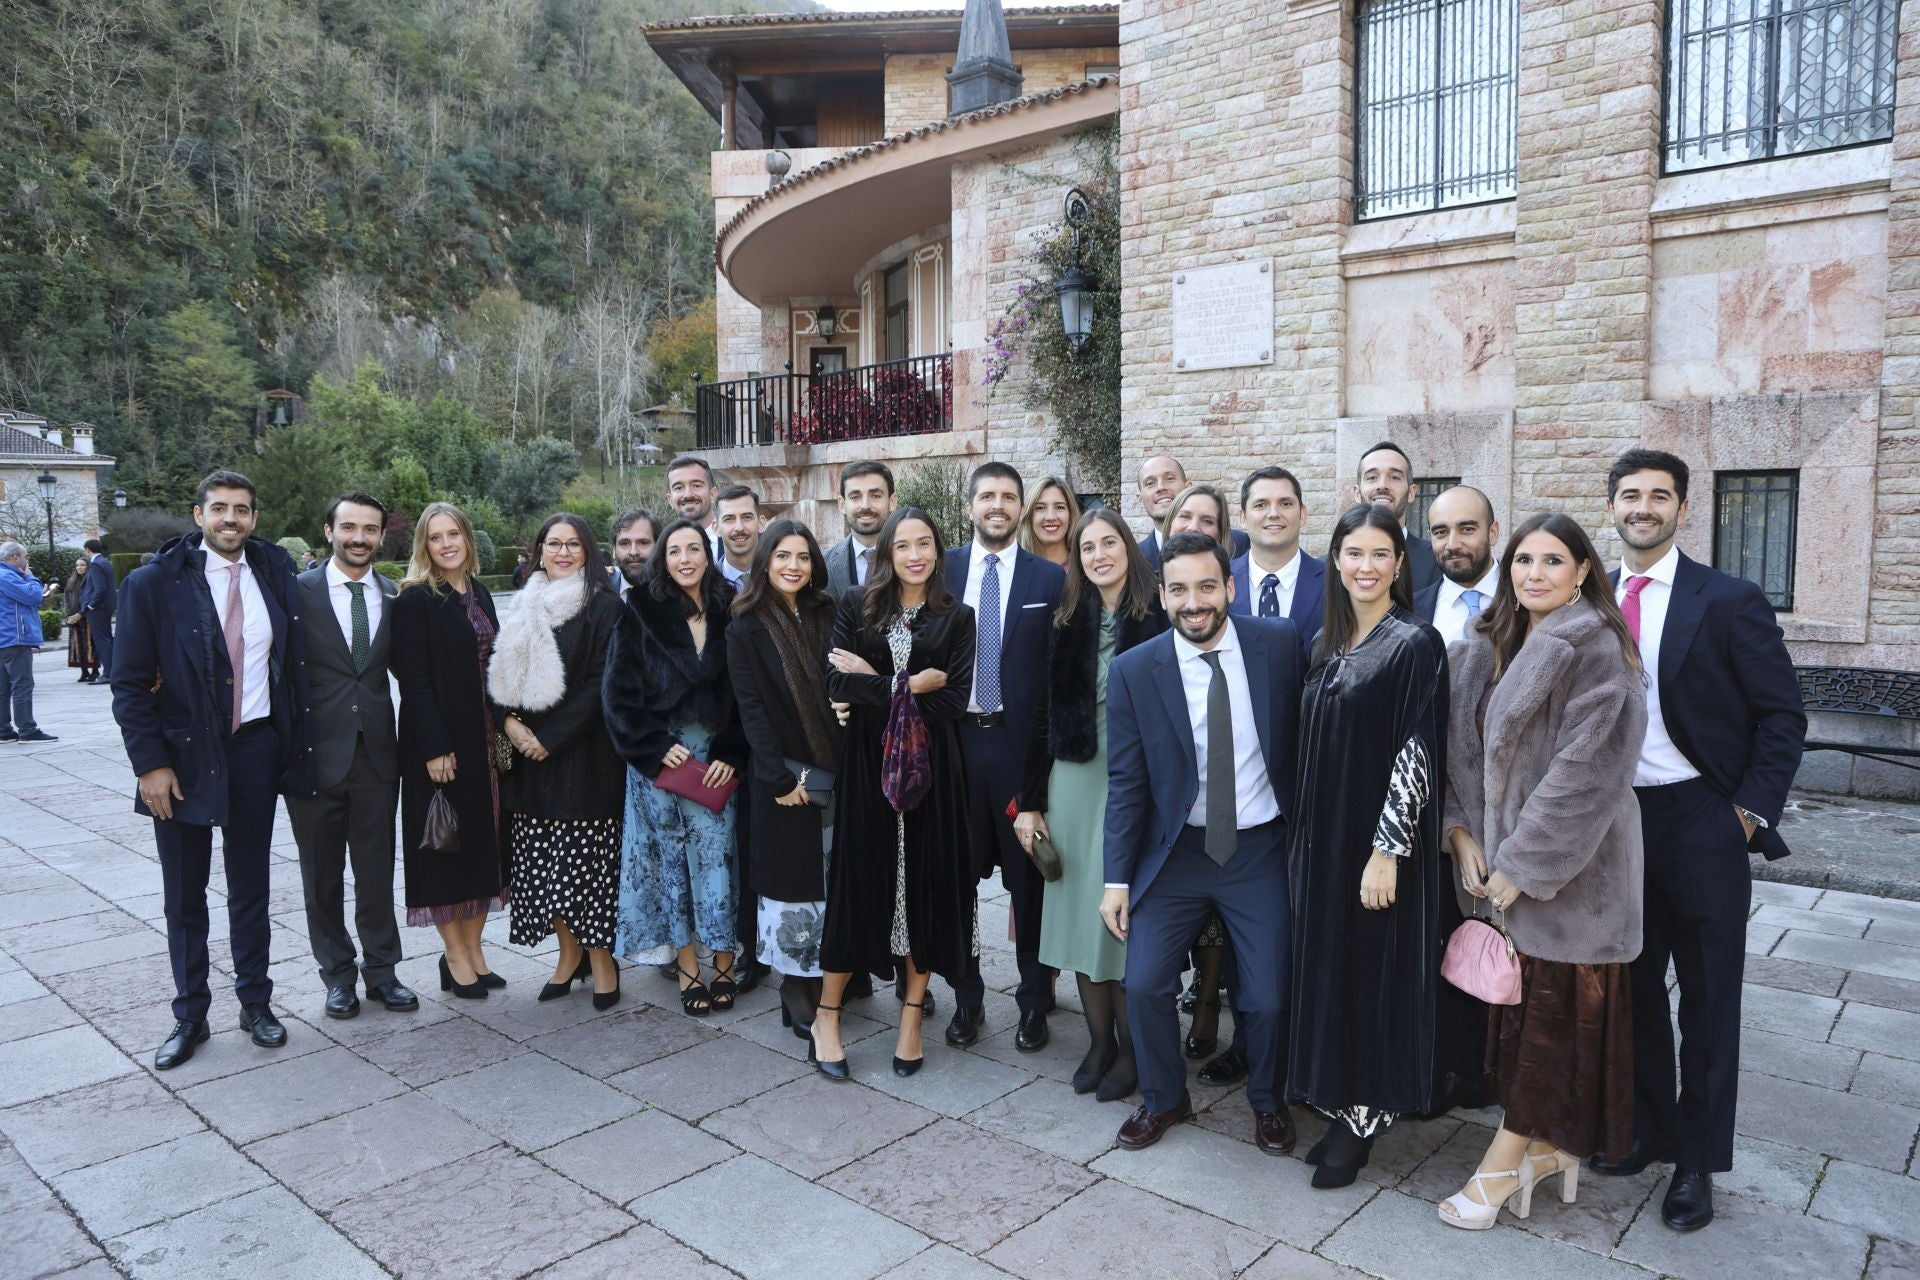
pixel 508 1138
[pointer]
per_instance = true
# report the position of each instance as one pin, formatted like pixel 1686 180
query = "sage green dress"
pixel 1072 935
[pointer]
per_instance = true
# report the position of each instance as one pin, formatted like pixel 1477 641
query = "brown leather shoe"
pixel 1273 1131
pixel 1144 1128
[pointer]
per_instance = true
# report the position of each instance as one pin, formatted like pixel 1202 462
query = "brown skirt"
pixel 1562 1059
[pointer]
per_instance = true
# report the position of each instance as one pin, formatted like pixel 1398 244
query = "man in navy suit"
pixel 1161 479
pixel 1273 577
pixel 1200 753
pixel 96 602
pixel 1463 534
pixel 1725 729
pixel 1386 480
pixel 1013 594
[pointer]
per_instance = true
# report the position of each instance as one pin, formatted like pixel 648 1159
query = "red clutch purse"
pixel 689 779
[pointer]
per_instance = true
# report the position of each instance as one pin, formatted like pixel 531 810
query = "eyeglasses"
pixel 563 548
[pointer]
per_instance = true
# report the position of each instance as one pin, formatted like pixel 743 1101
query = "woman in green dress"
pixel 1110 604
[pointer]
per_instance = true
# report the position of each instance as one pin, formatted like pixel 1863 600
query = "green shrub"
pixel 504 558
pixel 51 621
pixel 393 569
pixel 483 551
pixel 56 570
pixel 295 547
pixel 939 487
pixel 497 582
pixel 124 563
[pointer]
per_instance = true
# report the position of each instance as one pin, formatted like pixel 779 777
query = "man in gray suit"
pixel 351 765
pixel 866 500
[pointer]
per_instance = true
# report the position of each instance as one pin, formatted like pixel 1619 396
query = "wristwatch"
pixel 1759 823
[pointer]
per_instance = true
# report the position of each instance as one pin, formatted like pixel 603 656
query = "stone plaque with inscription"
pixel 1223 316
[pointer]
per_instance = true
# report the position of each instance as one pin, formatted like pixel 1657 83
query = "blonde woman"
pixel 1047 528
pixel 1200 508
pixel 443 632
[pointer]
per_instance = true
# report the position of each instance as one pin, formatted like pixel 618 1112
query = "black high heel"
pixel 904 1067
pixel 492 981
pixel 695 1001
pixel 465 990
pixel 1093 1067
pixel 722 990
pixel 792 991
pixel 1203 1047
pixel 554 990
pixel 1346 1154
pixel 838 1068
pixel 608 999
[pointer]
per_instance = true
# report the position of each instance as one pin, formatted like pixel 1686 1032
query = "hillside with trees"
pixel 487 220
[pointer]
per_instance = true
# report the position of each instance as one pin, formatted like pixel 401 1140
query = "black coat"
pixel 1064 718
pixel 656 681
pixel 443 711
pixel 785 839
pixel 580 779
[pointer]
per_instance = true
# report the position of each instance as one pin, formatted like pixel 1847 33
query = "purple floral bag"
pixel 906 765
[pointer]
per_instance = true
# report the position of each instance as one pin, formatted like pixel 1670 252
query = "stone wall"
pixel 916 84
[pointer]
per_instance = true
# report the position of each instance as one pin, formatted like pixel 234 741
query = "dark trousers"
pixel 16 687
pixel 186 860
pixel 355 813
pixel 99 624
pixel 747 917
pixel 1699 889
pixel 1250 893
pixel 985 753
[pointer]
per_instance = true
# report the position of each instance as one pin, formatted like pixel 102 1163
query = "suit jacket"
pixel 1030 595
pixel 97 594
pixel 340 706
pixel 1421 564
pixel 840 574
pixel 1150 546
pixel 1309 596
pixel 1152 776
pixel 1729 695
pixel 1426 600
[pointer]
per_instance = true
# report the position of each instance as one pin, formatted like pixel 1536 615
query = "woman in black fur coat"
pixel 1108 607
pixel 668 700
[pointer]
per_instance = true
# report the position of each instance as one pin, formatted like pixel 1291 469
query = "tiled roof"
pixel 884 15
pixel 18 442
pixel 857 154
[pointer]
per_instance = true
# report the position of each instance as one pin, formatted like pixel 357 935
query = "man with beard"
pixel 690 490
pixel 866 500
pixel 346 783
pixel 1200 752
pixel 1386 480
pixel 736 516
pixel 1162 477
pixel 1013 594
pixel 634 533
pixel 208 637
pixel 1725 729
pixel 1463 534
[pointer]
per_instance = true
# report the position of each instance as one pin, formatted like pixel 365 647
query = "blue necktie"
pixel 1270 596
pixel 1473 600
pixel 987 620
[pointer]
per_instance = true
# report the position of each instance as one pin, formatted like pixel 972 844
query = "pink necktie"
pixel 1630 607
pixel 237 640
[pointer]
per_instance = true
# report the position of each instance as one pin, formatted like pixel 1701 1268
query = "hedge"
pixel 59 569
pixel 394 569
pixel 51 621
pixel 124 563
pixel 483 551
pixel 497 582
pixel 504 558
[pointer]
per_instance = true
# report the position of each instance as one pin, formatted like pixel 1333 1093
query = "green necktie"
pixel 362 641
pixel 1223 805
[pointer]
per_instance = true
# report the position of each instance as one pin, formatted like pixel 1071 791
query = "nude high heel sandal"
pixel 1470 1215
pixel 1564 1164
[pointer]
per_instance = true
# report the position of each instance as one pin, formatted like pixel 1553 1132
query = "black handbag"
pixel 1046 858
pixel 820 782
pixel 442 832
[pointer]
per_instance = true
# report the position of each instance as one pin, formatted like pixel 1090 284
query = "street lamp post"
pixel 1075 287
pixel 120 499
pixel 48 483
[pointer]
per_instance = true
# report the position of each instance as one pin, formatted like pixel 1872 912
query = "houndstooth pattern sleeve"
pixel 1408 788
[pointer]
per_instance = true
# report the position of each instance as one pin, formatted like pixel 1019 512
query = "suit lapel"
pixel 1685 610
pixel 1306 590
pixel 320 610
pixel 1253 655
pixel 1173 695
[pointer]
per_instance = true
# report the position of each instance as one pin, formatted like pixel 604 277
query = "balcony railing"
pixel 896 398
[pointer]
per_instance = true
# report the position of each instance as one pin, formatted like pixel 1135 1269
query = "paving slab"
pixel 42 1238
pixel 944 1262
pixel 1836 1124
pixel 815 1125
pixel 609 1045
pixel 446 1047
pixel 1892 1259
pixel 628 1158
pixel 1851 953
pixel 1110 1228
pixel 1892 1032
pixel 56 1061
pixel 290 1094
pixel 1056 1120
pixel 1789 1013
pixel 1885 1204
pixel 1763 1170
pixel 1831 1066
pixel 531 1100
pixel 1888 993
pixel 28 1018
pixel 101 1122
pixel 953 1082
pixel 1284 1262
pixel 1400 1238
pixel 1890 1079
pixel 709 1077
pixel 174 1178
pixel 800 1231
pixel 1750 1240
pixel 263 1233
pixel 360 1152
pixel 1834 922
pixel 1794 975
pixel 644 1252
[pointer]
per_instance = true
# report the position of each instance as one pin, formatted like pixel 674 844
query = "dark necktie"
pixel 866 565
pixel 1223 812
pixel 1270 596
pixel 987 682
pixel 362 641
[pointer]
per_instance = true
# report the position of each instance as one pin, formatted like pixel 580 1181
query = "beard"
pixel 1639 539
pixel 634 571
pixel 1475 568
pixel 1200 630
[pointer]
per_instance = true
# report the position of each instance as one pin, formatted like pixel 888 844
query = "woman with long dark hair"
pixel 1548 712
pixel 900 886
pixel 1367 873
pixel 777 649
pixel 562 795
pixel 669 700
pixel 1108 606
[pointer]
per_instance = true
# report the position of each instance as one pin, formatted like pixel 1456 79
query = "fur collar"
pixel 1537 671
pixel 1073 675
pixel 526 671
pixel 666 640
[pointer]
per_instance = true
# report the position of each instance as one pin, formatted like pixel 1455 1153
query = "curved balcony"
pixel 896 398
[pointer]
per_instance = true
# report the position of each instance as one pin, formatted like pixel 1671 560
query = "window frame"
pixel 1430 487
pixel 1784 602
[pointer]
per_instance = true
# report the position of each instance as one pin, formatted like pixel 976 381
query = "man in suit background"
pixel 1462 534
pixel 736 518
pixel 1013 594
pixel 97 602
pixel 1725 729
pixel 1273 577
pixel 348 779
pixel 1162 477
pixel 690 489
pixel 1386 480
pixel 866 500
pixel 210 633
pixel 1200 752
pixel 635 530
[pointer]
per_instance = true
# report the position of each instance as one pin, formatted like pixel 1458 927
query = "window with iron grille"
pixel 1435 104
pixel 1755 514
pixel 1750 79
pixel 1431 487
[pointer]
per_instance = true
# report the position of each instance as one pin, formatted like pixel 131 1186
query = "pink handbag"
pixel 1481 962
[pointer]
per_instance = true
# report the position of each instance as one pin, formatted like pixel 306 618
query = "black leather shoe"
pixel 1689 1202
pixel 1273 1131
pixel 1032 1036
pixel 1641 1155
pixel 1144 1128
pixel 258 1021
pixel 180 1045
pixel 965 1027
pixel 1229 1068
pixel 342 1002
pixel 392 995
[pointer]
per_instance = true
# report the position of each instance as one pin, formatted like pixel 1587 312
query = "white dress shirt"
pixel 256 698
pixel 342 600
pixel 733 576
pixel 976 573
pixel 1253 788
pixel 862 557
pixel 1286 579
pixel 1450 612
pixel 1660 761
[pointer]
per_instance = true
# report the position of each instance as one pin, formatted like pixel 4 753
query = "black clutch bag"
pixel 442 833
pixel 1046 858
pixel 819 781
